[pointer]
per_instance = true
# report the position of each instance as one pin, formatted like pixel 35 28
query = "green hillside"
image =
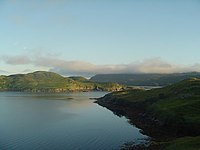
pixel 144 79
pixel 42 81
pixel 173 110
pixel 185 143
pixel 179 102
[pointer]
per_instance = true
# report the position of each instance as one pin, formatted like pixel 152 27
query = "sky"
pixel 88 37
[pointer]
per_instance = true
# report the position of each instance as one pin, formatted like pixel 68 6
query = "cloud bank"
pixel 64 67
pixel 3 72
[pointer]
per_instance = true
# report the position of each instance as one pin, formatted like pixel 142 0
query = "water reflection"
pixel 60 121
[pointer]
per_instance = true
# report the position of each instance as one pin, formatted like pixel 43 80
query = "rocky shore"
pixel 137 116
pixel 148 126
pixel 168 115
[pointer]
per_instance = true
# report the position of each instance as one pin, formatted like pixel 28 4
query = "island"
pixel 170 115
pixel 43 81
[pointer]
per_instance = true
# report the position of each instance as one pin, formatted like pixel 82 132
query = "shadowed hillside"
pixel 144 79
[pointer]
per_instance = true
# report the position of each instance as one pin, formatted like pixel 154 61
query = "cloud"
pixel 16 60
pixel 154 65
pixel 27 70
pixel 64 67
pixel 3 72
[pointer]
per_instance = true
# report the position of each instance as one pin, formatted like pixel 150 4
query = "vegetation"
pixel 180 101
pixel 174 108
pixel 144 79
pixel 42 81
pixel 185 143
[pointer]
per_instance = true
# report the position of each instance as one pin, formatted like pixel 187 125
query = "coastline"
pixel 138 117
pixel 161 136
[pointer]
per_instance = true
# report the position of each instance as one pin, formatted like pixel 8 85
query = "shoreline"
pixel 161 136
pixel 140 119
pixel 134 118
pixel 53 91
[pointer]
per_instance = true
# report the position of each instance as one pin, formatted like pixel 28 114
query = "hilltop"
pixel 144 79
pixel 42 81
pixel 172 111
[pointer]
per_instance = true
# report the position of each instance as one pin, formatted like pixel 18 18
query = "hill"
pixel 42 81
pixel 144 79
pixel 172 111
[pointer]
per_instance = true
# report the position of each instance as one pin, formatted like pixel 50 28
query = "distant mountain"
pixel 42 81
pixel 144 79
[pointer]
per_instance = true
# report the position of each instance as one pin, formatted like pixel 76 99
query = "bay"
pixel 69 121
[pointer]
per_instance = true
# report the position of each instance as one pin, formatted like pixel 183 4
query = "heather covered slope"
pixel 42 81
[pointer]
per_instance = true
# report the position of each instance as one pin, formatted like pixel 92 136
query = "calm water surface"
pixel 61 122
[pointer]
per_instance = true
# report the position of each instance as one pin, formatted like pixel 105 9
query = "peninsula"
pixel 171 112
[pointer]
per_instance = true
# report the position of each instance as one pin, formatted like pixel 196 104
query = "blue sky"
pixel 85 37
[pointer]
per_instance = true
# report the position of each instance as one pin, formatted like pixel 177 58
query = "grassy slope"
pixel 96 85
pixel 177 105
pixel 48 80
pixel 37 80
pixel 178 102
pixel 185 143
